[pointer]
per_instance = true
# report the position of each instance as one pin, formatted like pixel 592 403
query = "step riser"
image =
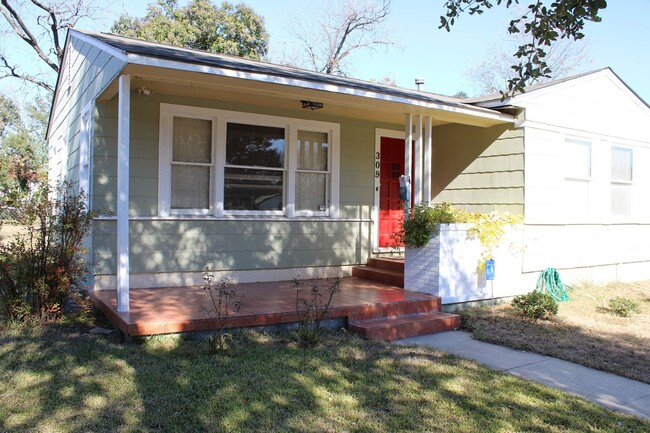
pixel 368 274
pixel 406 330
pixel 390 265
pixel 395 309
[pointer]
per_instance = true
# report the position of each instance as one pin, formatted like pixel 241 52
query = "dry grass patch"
pixel 585 331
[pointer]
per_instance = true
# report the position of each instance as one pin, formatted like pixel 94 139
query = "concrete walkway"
pixel 606 389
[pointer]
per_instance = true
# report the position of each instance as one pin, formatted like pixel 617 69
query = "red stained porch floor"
pixel 183 309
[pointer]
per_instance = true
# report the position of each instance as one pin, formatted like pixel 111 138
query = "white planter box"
pixel 448 266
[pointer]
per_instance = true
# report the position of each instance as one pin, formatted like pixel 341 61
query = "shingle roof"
pixel 163 51
pixel 496 97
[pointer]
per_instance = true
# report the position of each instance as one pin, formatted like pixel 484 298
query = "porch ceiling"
pixel 360 105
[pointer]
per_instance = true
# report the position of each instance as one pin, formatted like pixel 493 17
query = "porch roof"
pixel 173 70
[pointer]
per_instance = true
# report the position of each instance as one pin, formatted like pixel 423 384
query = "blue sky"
pixel 621 41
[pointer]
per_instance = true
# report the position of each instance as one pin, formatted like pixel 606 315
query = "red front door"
pixel 390 209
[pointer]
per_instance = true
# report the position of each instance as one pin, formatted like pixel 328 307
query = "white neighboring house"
pixel 586 177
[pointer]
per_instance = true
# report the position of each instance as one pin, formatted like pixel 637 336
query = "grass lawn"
pixel 585 331
pixel 58 379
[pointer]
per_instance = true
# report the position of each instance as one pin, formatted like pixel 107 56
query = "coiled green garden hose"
pixel 549 281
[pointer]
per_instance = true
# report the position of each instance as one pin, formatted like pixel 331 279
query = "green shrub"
pixel 623 307
pixel 423 222
pixel 535 305
pixel 38 268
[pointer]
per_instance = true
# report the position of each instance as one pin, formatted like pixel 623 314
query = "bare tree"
pixel 339 29
pixel 42 25
pixel 494 72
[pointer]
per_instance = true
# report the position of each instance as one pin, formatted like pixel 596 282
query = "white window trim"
pixel 630 183
pixel 220 119
pixel 85 151
pixel 590 142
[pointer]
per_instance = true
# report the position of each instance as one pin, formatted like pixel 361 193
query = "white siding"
pixel 569 224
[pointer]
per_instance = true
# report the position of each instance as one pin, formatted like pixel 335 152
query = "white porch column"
pixel 408 139
pixel 123 132
pixel 417 161
pixel 428 161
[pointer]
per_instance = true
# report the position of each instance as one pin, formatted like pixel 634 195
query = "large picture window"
pixel 215 162
pixel 254 172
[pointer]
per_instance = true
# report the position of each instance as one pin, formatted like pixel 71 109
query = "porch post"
pixel 408 139
pixel 428 161
pixel 417 161
pixel 123 132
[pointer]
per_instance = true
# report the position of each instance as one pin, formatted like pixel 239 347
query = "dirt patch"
pixel 585 331
pixel 8 231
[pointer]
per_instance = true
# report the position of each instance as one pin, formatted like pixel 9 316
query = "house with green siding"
pixel 266 172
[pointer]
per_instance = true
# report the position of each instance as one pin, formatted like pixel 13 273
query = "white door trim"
pixel 379 133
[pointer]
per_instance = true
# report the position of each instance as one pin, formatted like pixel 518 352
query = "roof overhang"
pixel 285 87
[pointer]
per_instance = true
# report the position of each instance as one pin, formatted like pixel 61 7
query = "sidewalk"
pixel 605 389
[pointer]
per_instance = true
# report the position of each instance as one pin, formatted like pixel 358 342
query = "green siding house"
pixel 265 172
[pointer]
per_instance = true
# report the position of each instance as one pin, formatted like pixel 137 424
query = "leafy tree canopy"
pixel 227 29
pixel 544 24
pixel 23 154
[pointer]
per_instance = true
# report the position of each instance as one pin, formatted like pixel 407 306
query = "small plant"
pixel 312 309
pixel 225 304
pixel 623 307
pixel 39 267
pixel 489 229
pixel 535 305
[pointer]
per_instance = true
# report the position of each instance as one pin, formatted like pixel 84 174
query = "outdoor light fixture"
pixel 312 105
pixel 144 93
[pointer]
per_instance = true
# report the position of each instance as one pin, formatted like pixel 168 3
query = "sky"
pixel 621 41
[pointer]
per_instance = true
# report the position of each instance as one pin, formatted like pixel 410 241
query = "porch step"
pixel 386 276
pixel 396 265
pixel 394 328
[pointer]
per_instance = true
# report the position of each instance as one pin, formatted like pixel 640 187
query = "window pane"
pixel 621 199
pixel 312 150
pixel 251 189
pixel 578 159
pixel 253 145
pixel 192 141
pixel 621 164
pixel 190 187
pixel 311 190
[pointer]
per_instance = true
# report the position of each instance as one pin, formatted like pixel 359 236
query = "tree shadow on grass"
pixel 78 383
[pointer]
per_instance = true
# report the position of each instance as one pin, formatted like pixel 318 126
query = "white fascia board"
pixel 332 88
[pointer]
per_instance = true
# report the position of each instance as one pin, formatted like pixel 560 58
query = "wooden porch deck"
pixel 183 309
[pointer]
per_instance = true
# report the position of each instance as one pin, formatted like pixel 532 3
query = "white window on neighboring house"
pixel 223 163
pixel 577 174
pixel 85 150
pixel 621 178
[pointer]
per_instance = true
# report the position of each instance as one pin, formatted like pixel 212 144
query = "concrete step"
pixel 385 276
pixel 388 309
pixel 396 265
pixel 394 328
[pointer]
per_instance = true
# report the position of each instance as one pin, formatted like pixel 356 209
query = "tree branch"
pixel 54 28
pixel 21 29
pixel 13 73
